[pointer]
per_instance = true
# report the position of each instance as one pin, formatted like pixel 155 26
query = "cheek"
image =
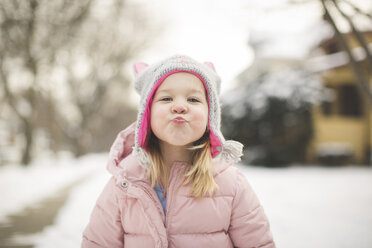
pixel 201 117
pixel 158 116
pixel 154 115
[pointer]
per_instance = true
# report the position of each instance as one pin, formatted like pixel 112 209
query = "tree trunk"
pixel 26 156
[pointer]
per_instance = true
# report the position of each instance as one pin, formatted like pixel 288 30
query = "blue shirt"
pixel 159 191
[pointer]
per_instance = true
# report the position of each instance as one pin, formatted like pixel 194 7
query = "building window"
pixel 350 103
pixel 332 47
pixel 327 108
pixel 328 105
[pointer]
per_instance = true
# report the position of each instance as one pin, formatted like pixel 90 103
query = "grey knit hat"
pixel 147 81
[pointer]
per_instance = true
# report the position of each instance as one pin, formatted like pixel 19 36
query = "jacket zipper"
pixel 172 184
pixel 154 199
pixel 157 202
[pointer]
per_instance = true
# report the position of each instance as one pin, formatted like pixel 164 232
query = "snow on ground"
pixel 21 186
pixel 316 206
pixel 73 217
pixel 307 206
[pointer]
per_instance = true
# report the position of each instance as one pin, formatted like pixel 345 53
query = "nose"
pixel 179 108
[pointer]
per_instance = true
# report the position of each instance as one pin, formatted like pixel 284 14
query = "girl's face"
pixel 179 110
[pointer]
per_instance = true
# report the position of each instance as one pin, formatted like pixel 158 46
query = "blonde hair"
pixel 199 173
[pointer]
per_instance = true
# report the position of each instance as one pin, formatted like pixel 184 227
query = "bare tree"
pixel 333 6
pixel 361 77
pixel 31 32
pixel 59 63
pixel 103 84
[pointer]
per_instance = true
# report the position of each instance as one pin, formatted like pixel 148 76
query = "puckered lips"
pixel 179 120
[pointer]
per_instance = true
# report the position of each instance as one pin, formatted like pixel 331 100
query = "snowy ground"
pixel 307 206
pixel 21 186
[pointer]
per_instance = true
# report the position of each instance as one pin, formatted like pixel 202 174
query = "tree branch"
pixel 357 35
pixel 8 94
pixel 356 9
pixel 362 81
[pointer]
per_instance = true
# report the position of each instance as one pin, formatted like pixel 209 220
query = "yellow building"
pixel 343 125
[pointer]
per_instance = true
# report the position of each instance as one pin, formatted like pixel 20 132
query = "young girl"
pixel 174 183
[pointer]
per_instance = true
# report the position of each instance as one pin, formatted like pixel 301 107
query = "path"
pixel 34 219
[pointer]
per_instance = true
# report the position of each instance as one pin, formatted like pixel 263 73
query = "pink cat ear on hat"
pixel 139 67
pixel 210 65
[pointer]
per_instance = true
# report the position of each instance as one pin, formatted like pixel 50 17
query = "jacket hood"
pixel 122 164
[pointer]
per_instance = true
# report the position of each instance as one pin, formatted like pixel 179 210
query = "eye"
pixel 193 99
pixel 166 99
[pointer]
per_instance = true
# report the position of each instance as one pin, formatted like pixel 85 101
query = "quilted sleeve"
pixel 249 226
pixel 105 228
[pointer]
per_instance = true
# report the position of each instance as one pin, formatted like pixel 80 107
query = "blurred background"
pixel 296 91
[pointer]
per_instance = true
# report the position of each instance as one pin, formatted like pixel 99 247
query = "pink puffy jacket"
pixel 128 212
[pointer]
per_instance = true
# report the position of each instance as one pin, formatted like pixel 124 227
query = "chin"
pixel 178 143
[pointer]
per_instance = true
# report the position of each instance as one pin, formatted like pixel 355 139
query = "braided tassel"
pixel 232 150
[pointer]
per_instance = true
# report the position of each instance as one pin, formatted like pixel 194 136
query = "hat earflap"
pixel 142 157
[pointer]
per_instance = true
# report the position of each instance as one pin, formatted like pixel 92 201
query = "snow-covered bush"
pixel 271 115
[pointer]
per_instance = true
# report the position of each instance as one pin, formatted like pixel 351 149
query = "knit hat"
pixel 147 81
